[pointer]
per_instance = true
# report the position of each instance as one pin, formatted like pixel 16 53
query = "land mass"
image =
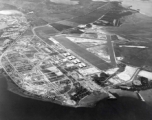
pixel 77 60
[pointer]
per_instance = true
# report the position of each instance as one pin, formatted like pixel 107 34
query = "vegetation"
pixel 133 55
pixel 36 10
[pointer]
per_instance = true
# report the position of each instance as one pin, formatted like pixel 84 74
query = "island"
pixel 74 62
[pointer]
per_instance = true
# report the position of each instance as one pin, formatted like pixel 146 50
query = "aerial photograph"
pixel 75 59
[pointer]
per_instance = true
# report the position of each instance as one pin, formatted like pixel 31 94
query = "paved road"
pixel 111 51
pixel 91 58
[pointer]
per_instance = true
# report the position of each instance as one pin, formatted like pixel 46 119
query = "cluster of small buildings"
pixel 12 26
pixel 51 70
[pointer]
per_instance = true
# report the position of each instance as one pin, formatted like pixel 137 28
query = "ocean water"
pixel 145 6
pixel 126 107
pixel 15 107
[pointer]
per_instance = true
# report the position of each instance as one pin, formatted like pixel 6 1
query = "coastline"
pixel 144 6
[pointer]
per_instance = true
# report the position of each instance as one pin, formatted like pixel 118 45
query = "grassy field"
pixel 60 27
pixel 49 11
pixel 28 32
pixel 137 27
pixel 135 56
pixel 45 32
pixel 94 15
pixel 6 6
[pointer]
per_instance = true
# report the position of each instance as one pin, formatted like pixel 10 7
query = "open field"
pixel 7 6
pixel 137 27
pixel 133 55
pixel 50 12
pixel 60 27
pixel 94 15
pixel 46 31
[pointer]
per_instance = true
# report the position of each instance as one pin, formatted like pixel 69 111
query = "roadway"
pixel 82 52
pixel 111 51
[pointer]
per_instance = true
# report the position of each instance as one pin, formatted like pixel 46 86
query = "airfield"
pixel 76 61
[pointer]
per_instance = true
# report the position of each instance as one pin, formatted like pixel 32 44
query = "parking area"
pixel 83 53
